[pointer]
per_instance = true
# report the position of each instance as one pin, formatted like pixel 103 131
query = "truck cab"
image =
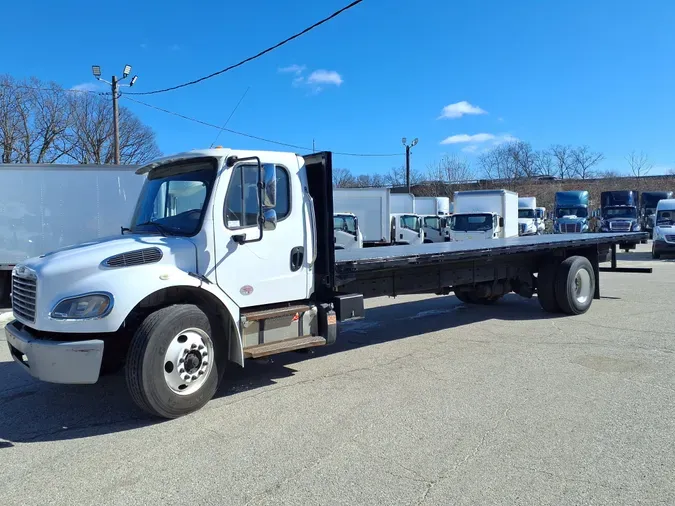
pixel 435 228
pixel 571 212
pixel 664 228
pixel 647 210
pixel 406 228
pixel 527 216
pixel 484 214
pixel 346 231
pixel 475 226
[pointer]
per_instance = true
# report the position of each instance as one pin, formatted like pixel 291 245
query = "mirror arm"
pixel 241 238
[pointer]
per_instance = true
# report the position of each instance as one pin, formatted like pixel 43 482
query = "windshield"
pixel 410 222
pixel 580 212
pixel 650 210
pixel 173 199
pixel 345 223
pixel 432 222
pixel 619 212
pixel 665 218
pixel 526 213
pixel 471 222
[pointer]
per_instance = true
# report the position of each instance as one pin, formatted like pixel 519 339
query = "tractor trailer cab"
pixel 527 216
pixel 619 213
pixel 571 212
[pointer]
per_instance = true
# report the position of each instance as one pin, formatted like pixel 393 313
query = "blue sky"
pixel 599 73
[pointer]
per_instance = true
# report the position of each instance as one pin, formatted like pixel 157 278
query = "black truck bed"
pixel 367 259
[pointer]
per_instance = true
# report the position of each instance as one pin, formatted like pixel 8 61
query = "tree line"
pixel 41 122
pixel 509 162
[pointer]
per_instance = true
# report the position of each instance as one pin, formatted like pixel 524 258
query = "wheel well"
pixel 222 323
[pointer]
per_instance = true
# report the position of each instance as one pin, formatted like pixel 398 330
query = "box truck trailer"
pixel 45 207
pixel 244 267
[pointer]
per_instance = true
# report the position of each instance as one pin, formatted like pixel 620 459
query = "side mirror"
pixel 501 222
pixel 269 182
pixel 269 218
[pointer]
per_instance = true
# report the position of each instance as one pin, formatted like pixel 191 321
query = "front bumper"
pixel 661 246
pixel 54 361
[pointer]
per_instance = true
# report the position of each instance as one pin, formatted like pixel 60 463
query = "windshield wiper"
pixel 162 229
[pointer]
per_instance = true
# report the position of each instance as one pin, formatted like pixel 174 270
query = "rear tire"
pixel 546 287
pixel 463 296
pixel 153 372
pixel 575 285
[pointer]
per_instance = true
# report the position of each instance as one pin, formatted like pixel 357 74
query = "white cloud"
pixel 293 69
pixel 144 46
pixel 466 138
pixel 478 142
pixel 319 77
pixel 459 109
pixel 89 86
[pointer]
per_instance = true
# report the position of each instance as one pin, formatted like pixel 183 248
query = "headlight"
pixel 86 307
pixel 636 227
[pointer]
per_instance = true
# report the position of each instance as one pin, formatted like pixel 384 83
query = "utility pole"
pixel 114 88
pixel 407 159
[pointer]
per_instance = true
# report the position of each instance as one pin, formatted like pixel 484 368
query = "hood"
pixel 75 262
pixel 571 218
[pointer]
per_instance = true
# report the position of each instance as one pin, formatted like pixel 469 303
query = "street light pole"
pixel 116 121
pixel 407 159
pixel 114 88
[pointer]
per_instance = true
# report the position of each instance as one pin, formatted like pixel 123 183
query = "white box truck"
pixel 190 292
pixel 380 226
pixel 434 212
pixel 45 207
pixel 484 214
pixel 527 216
pixel 346 231
pixel 432 206
pixel 402 203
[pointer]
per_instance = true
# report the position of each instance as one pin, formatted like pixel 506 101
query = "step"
pixel 296 343
pixel 274 313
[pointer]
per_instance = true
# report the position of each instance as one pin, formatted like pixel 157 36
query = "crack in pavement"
pixel 568 478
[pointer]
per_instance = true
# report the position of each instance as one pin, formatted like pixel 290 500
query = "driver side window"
pixel 241 203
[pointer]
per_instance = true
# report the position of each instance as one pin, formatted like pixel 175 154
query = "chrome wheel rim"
pixel 188 361
pixel 582 286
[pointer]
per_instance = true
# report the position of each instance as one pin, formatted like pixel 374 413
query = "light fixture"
pixel 414 143
pixel 96 70
pixel 127 71
pixel 404 140
pixel 133 80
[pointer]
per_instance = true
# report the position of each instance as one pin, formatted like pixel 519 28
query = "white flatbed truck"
pixel 231 257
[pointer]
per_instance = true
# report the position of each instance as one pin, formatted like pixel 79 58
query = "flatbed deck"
pixel 365 258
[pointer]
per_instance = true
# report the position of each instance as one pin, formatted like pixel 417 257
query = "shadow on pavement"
pixel 32 411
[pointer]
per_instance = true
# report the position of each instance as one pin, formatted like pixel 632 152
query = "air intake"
pixel 138 257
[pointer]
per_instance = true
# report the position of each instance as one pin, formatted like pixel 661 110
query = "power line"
pixel 55 90
pixel 250 136
pixel 254 57
pixel 230 116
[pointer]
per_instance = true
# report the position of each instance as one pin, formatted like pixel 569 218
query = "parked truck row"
pixel 230 256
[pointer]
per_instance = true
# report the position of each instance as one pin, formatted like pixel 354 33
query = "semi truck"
pixel 541 219
pixel 346 232
pixel 48 206
pixel 648 202
pixel 619 213
pixel 242 267
pixel 484 214
pixel 528 222
pixel 571 212
pixel 379 221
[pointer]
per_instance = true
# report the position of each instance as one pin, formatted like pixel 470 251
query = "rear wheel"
pixel 546 287
pixel 173 361
pixel 575 285
pixel 469 297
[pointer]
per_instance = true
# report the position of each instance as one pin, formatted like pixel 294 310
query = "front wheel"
pixel 575 285
pixel 172 363
pixel 655 254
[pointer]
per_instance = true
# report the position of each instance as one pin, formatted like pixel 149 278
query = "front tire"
pixel 173 361
pixel 655 255
pixel 575 285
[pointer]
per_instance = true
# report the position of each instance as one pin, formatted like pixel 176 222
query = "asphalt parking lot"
pixel 427 401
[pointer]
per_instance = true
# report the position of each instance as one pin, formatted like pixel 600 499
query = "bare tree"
pixel 43 123
pixel 396 176
pixel 524 158
pixel 342 178
pixel 544 164
pixel 450 169
pixel 563 160
pixel 584 161
pixel 639 164
pixel 498 163
pixel 608 174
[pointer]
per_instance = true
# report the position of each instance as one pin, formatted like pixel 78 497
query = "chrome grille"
pixel 623 226
pixel 138 257
pixel 24 294
pixel 670 238
pixel 570 228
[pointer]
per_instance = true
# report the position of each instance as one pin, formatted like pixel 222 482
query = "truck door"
pixel 274 269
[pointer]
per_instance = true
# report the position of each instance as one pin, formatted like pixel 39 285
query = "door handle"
pixel 297 258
